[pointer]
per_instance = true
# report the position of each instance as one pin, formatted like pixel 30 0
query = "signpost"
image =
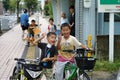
pixel 110 6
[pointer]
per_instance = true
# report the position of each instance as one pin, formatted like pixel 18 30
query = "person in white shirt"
pixel 64 19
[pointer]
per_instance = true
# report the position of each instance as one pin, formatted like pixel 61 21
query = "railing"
pixel 8 22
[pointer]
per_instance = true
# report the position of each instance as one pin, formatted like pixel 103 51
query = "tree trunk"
pixel 0 27
pixel 18 17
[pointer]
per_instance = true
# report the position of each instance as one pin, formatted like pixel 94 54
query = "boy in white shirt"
pixel 65 42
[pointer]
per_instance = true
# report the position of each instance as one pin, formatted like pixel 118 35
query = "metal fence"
pixel 8 22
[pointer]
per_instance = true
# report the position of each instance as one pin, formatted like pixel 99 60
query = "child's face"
pixel 66 31
pixel 63 15
pixel 33 23
pixel 52 39
pixel 71 10
pixel 51 22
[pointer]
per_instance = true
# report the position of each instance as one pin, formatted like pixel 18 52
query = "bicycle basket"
pixel 85 63
pixel 32 68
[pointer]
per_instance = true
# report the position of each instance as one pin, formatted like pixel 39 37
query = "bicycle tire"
pixel 15 76
pixel 83 76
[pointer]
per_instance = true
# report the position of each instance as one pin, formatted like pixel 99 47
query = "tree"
pixel 17 2
pixel 12 6
pixel 6 4
pixel 31 5
pixel 48 8
pixel 0 28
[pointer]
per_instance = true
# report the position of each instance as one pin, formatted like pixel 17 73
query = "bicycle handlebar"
pixel 79 50
pixel 24 61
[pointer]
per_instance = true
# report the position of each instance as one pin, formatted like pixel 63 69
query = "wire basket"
pixel 85 63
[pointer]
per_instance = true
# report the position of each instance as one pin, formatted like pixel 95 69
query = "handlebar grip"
pixel 19 59
pixel 69 51
pixel 16 59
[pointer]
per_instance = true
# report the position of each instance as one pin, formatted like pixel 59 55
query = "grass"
pixel 107 66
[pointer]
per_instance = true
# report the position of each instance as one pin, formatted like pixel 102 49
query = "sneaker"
pixel 25 42
pixel 28 44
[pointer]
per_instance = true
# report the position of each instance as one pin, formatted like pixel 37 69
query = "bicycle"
pixel 82 63
pixel 27 69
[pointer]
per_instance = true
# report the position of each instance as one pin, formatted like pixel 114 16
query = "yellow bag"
pixel 36 31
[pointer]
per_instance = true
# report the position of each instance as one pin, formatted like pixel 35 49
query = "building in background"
pixel 90 22
pixel 85 16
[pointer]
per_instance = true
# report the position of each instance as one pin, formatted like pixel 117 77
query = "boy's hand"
pixel 45 59
pixel 43 35
pixel 59 38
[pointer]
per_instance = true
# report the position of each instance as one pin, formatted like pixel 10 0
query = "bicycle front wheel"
pixel 15 74
pixel 67 74
pixel 83 76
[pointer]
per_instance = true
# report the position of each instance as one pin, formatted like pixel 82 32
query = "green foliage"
pixel 6 4
pixel 12 5
pixel 48 9
pixel 31 4
pixel 107 66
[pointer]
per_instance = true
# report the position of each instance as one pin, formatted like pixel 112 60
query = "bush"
pixel 107 66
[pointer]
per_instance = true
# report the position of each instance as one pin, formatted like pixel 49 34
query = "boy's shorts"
pixel 30 35
pixel 48 74
pixel 24 27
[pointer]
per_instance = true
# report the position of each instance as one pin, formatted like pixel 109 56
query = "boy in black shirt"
pixel 49 53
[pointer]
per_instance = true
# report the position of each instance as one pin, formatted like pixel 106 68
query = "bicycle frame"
pixel 76 71
pixel 73 69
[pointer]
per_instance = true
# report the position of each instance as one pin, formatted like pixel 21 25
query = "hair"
pixel 33 20
pixel 51 33
pixel 64 14
pixel 65 25
pixel 51 19
pixel 71 7
pixel 25 10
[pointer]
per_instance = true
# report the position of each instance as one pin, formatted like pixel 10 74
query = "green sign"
pixel 110 2
pixel 109 6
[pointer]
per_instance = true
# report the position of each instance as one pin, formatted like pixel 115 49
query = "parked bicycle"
pixel 82 63
pixel 27 69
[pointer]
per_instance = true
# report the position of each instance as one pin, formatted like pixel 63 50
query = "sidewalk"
pixel 12 46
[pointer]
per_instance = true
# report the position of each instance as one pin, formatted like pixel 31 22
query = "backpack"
pixel 55 28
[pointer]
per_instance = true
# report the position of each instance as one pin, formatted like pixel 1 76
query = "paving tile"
pixel 12 46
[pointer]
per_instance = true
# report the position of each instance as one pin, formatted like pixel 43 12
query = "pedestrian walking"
pixel 24 18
